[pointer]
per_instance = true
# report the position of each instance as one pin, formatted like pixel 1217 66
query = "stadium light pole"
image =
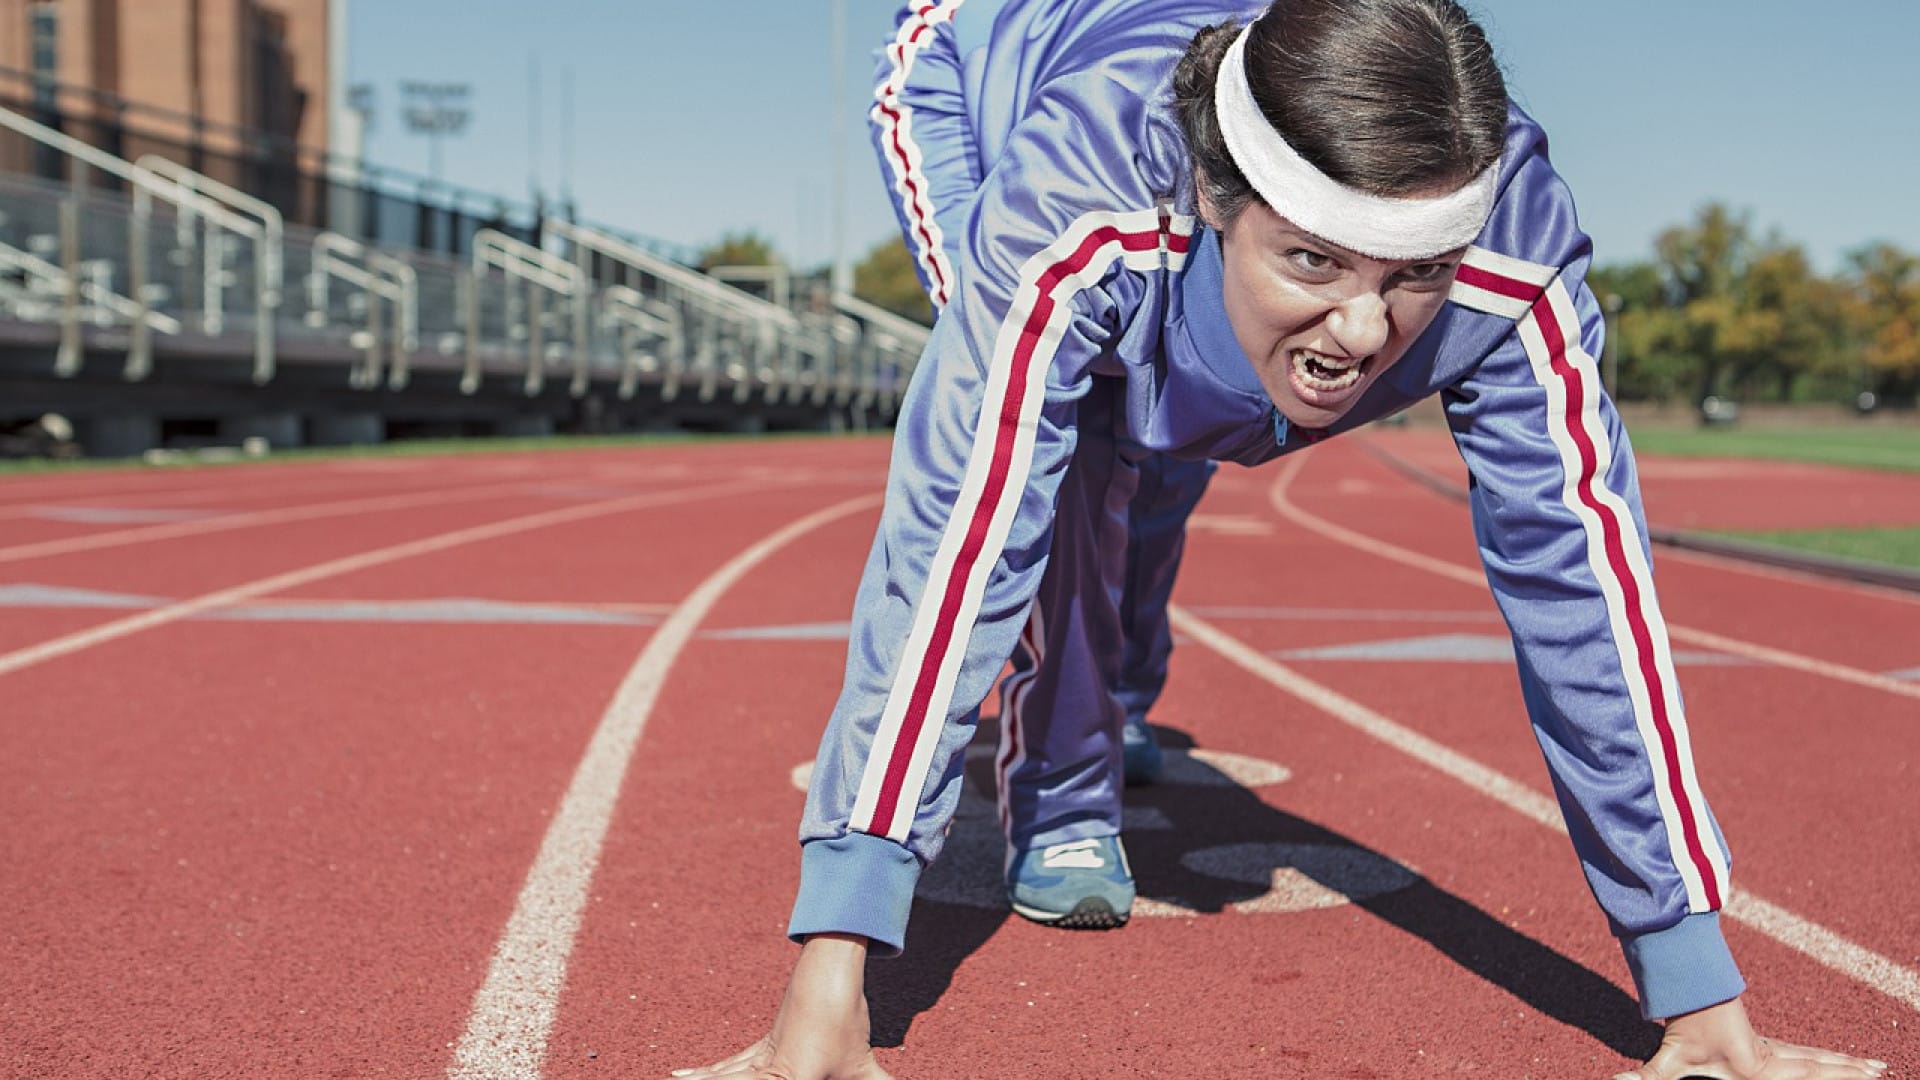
pixel 435 110
pixel 838 282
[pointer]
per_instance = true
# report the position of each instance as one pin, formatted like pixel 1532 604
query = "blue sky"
pixel 693 118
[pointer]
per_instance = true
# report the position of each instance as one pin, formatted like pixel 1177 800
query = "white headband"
pixel 1369 224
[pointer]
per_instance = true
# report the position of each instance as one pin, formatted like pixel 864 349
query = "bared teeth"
pixel 1326 373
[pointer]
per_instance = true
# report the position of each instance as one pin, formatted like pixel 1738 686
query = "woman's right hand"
pixel 822 1031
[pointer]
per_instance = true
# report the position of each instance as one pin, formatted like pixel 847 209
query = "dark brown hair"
pixel 1392 97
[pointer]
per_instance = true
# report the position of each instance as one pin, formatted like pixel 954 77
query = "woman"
pixel 1215 242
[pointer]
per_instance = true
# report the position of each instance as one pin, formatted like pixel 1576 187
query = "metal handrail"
pixel 148 183
pixel 635 313
pixel 381 276
pixel 268 268
pixel 912 336
pixel 95 292
pixel 517 259
pixel 872 314
pixel 692 281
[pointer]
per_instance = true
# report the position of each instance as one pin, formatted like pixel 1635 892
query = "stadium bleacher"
pixel 153 304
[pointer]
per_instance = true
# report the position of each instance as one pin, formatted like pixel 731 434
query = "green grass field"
pixel 1889 547
pixel 1875 446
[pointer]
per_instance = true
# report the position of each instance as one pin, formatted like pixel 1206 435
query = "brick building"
pixel 196 72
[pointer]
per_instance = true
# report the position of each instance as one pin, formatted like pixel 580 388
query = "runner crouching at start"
pixel 1174 231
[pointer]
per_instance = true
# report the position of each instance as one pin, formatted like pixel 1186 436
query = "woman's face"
pixel 1320 322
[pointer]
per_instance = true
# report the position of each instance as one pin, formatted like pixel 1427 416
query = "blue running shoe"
pixel 1079 885
pixel 1140 760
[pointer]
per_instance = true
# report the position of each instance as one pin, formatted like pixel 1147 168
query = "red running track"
pixel 286 836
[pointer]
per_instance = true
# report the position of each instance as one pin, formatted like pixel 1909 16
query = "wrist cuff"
pixel 856 884
pixel 1684 968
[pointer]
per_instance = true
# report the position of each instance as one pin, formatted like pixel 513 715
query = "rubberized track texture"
pixel 490 766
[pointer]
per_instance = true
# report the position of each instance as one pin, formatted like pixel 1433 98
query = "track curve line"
pixel 1802 935
pixel 132 497
pixel 147 620
pixel 513 1011
pixel 1278 496
pixel 44 549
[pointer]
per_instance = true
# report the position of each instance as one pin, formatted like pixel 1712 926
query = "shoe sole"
pixel 1092 913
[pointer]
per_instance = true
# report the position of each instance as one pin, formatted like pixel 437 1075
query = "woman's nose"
pixel 1360 325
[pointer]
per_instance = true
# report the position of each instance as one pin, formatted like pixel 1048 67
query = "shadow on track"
pixel 1227 848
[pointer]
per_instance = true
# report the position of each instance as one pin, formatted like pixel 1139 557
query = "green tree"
pixel 740 249
pixel 1749 312
pixel 886 277
pixel 1883 308
pixel 1646 333
pixel 1703 264
pixel 1793 327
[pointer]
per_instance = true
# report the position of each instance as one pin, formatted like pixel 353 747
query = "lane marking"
pixel 1284 614
pixel 1277 494
pixel 1804 936
pixel 236 486
pixel 513 1011
pixel 1449 649
pixel 95 514
pixel 435 609
pixel 147 620
pixel 121 537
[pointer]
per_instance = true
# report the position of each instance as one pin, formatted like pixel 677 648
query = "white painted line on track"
pixel 1371 545
pixel 147 620
pixel 513 1012
pixel 121 537
pixel 144 496
pixel 1822 945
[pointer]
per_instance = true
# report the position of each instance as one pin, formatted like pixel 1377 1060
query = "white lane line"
pixel 1766 654
pixel 513 1012
pixel 138 497
pixel 1822 945
pixel 121 537
pixel 147 620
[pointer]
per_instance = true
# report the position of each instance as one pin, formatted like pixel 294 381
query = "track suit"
pixel 1056 766
pixel 1083 332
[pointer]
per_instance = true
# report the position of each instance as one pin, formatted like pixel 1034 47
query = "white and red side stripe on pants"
pixel 1536 297
pixel 902 154
pixel 997 468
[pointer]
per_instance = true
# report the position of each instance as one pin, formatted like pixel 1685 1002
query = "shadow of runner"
pixel 1218 848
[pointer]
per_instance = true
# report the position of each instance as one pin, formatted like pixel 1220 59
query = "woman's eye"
pixel 1426 273
pixel 1309 260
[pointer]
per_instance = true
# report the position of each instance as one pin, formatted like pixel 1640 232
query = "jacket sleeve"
pixel 1051 266
pixel 929 156
pixel 1557 515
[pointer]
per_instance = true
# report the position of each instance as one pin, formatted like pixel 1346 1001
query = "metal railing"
pixel 379 277
pixel 620 313
pixel 148 185
pixel 541 273
pixel 269 235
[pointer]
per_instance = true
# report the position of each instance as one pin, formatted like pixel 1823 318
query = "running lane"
pixel 284 847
